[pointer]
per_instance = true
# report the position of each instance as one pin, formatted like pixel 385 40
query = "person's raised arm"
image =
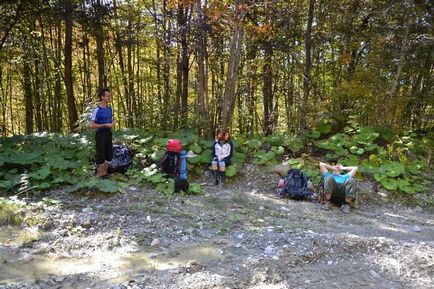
pixel 352 170
pixel 324 168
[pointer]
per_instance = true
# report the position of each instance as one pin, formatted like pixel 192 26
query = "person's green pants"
pixel 347 189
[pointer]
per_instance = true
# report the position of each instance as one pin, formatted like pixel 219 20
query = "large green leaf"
pixel 366 134
pixel 253 144
pixel 231 171
pixel 278 150
pixel 294 144
pixel 389 184
pixel 394 169
pixel 323 126
pixel 108 186
pixel 262 157
pixel 156 178
pixel 40 174
pixel 195 148
pixel 157 155
pixel 206 143
pixel 195 189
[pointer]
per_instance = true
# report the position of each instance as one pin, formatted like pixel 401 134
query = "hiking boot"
pixel 100 170
pixel 345 208
pixel 326 206
pixel 222 179
pixel 216 177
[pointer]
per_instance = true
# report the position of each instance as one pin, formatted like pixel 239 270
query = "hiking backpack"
pixel 171 161
pixel 174 164
pixel 295 185
pixel 121 160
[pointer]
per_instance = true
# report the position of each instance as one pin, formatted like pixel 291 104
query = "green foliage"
pixel 195 189
pixel 9 212
pixel 253 144
pixel 263 157
pixel 323 126
pixel 45 161
pixel 231 171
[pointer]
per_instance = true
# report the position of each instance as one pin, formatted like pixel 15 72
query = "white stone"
pixel 86 210
pixel 269 249
pixel 416 228
pixel 59 278
pixel 374 274
pixel 155 243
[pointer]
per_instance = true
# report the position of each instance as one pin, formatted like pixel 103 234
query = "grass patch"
pixel 9 213
pixel 216 202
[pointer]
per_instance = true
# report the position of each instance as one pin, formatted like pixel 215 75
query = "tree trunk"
pixel 391 94
pixel 306 80
pixel 232 72
pixel 99 38
pixel 38 107
pixel 118 46
pixel 72 111
pixel 166 69
pixel 251 88
pixel 178 88
pixel 27 87
pixel 157 44
pixel 131 94
pixel 183 26
pixel 267 90
pixel 203 72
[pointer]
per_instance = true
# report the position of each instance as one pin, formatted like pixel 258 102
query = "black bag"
pixel 121 160
pixel 295 185
pixel 170 163
pixel 181 185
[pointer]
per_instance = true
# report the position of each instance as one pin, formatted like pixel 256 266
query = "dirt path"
pixel 240 236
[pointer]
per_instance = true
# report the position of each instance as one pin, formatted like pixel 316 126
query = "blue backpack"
pixel 294 185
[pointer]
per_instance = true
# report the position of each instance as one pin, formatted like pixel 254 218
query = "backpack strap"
pixel 163 158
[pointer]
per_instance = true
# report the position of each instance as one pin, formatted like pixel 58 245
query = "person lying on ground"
pixel 337 185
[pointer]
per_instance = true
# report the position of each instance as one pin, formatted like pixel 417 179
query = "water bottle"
pixel 183 166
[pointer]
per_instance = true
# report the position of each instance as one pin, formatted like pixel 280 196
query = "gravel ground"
pixel 239 236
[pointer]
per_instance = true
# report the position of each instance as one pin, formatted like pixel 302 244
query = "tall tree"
pixel 234 60
pixel 202 70
pixel 308 66
pixel 72 110
pixel 27 85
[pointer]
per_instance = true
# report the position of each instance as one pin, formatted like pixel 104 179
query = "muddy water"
pixel 14 236
pixel 14 268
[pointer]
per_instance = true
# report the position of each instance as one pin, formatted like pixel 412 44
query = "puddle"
pixel 17 237
pixel 12 269
pixel 170 260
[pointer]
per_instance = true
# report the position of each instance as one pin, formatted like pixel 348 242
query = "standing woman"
pixel 222 151
pixel 102 121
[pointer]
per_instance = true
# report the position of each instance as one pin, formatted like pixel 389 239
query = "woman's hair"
pixel 222 133
pixel 101 92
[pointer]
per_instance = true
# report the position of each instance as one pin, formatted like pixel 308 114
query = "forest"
pixel 289 93
pixel 256 67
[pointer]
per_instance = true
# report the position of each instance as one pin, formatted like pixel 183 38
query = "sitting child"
pixel 222 151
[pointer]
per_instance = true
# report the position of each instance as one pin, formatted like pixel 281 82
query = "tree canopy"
pixel 257 67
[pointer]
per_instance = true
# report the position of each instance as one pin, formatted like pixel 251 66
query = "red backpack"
pixel 171 160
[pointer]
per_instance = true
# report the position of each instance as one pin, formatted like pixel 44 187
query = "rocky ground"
pixel 240 236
